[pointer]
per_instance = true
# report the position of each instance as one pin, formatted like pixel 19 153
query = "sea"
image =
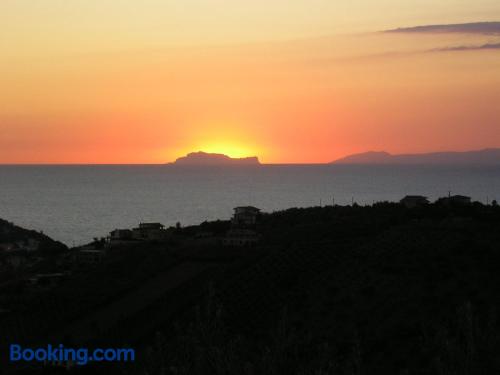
pixel 74 204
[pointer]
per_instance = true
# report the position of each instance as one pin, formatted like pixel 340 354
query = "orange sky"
pixel 106 85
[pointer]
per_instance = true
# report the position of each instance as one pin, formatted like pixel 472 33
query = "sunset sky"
pixel 128 81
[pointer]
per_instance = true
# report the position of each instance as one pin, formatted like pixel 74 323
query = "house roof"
pixel 150 225
pixel 249 208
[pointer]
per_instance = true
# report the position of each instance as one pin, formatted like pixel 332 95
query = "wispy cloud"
pixel 487 46
pixel 483 28
pixel 473 28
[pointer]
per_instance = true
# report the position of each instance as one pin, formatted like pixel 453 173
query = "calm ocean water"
pixel 73 204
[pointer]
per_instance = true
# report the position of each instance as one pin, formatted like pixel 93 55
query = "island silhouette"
pixel 489 156
pixel 205 158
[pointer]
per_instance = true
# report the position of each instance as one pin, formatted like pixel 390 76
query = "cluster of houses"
pixel 16 254
pixel 96 252
pixel 28 245
pixel 413 201
pixel 144 232
pixel 19 255
pixel 242 233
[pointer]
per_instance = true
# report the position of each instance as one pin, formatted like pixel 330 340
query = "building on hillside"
pixel 29 244
pixel 89 256
pixel 460 200
pixel 412 201
pixel 245 216
pixel 150 232
pixel 243 228
pixel 455 200
pixel 241 238
pixel 120 235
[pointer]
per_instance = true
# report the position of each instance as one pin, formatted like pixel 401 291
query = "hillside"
pixel 17 238
pixel 379 289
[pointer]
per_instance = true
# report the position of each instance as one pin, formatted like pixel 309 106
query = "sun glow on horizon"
pixel 228 136
pixel 149 83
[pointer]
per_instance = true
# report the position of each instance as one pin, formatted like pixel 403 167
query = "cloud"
pixel 487 46
pixel 483 28
pixel 473 28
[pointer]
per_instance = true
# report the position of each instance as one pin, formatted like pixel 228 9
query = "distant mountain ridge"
pixel 490 156
pixel 205 158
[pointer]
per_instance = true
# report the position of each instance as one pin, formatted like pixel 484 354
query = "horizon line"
pixel 162 164
pixel 331 161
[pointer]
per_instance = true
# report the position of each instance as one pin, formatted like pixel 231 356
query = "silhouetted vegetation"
pixel 10 233
pixel 344 290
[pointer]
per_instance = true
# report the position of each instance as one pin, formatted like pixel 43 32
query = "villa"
pixel 245 216
pixel 412 201
pixel 149 232
pixel 241 238
pixel 455 200
pixel 243 224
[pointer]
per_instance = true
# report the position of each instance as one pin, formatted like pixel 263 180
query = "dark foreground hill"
pixel 328 290
pixel 17 238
